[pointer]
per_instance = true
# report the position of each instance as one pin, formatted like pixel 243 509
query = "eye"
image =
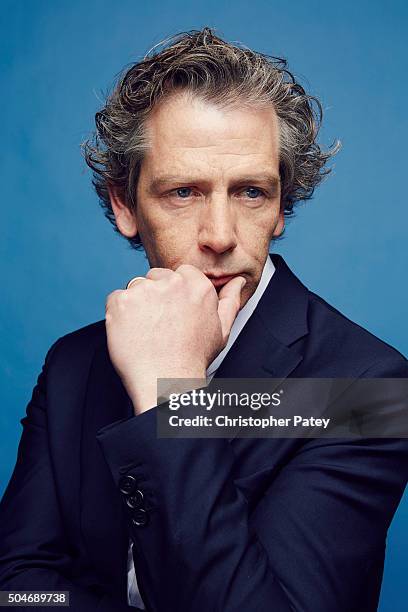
pixel 184 192
pixel 253 192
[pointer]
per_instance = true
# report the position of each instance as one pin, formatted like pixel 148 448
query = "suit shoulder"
pixel 350 338
pixel 81 341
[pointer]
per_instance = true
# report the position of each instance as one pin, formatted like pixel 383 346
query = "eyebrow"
pixel 271 179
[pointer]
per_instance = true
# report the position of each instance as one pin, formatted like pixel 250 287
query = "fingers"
pixel 134 280
pixel 154 274
pixel 191 273
pixel 186 271
pixel 159 273
pixel 229 303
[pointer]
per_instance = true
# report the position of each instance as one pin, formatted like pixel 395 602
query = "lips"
pixel 220 281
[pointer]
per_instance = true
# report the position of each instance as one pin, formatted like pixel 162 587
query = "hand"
pixel 171 324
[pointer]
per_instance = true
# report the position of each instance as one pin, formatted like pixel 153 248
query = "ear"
pixel 125 218
pixel 280 224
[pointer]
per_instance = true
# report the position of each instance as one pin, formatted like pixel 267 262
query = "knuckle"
pixel 122 299
pixel 176 278
pixel 112 297
pixel 185 267
pixel 153 272
pixel 116 299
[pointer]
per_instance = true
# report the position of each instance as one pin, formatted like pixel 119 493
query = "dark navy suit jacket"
pixel 232 525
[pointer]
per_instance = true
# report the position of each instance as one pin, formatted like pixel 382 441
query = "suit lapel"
pixel 258 354
pixel 265 346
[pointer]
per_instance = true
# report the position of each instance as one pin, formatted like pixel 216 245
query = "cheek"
pixel 256 227
pixel 167 240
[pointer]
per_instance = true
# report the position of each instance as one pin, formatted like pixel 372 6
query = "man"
pixel 200 151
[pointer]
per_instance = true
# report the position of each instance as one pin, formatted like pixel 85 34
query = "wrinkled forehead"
pixel 186 130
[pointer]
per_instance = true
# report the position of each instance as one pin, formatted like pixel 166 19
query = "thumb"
pixel 229 302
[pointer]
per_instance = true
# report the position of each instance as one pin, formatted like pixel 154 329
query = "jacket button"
pixel 127 484
pixel 135 500
pixel 140 517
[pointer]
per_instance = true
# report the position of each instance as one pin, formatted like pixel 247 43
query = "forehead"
pixel 186 130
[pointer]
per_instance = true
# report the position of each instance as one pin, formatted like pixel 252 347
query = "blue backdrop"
pixel 60 258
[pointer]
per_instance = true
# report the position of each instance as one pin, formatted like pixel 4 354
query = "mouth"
pixel 220 281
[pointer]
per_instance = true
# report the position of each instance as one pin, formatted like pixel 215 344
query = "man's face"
pixel 209 192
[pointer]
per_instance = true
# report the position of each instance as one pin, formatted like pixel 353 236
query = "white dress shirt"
pixel 134 598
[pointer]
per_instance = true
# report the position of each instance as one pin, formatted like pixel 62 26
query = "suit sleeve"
pixel 314 541
pixel 34 552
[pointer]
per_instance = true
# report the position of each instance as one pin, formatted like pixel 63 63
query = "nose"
pixel 217 226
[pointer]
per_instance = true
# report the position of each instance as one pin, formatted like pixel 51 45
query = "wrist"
pixel 145 395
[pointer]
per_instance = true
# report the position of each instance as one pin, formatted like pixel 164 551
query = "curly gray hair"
pixel 200 62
